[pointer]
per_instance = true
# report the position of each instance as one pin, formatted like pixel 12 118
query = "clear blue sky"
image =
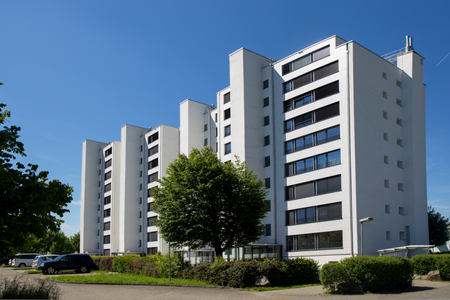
pixel 76 70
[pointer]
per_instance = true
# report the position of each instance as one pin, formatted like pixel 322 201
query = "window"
pixel 140 214
pixel 152 177
pixel 140 243
pixel 106 226
pixel 327 112
pixel 140 187
pixel 227 130
pixel 297 101
pixel 215 117
pixel 399 164
pixel 100 172
pixel 98 208
pixel 307 141
pixel 152 236
pixel 266 120
pixel 265 84
pixel 313 163
pixel 305 60
pixel 141 161
pixel 140 173
pixel 107 187
pixel 398 83
pixel 99 183
pixel 150 193
pixel 227 114
pixel 205 142
pixel 310 77
pixel 399 122
pixel 388 235
pixel 384 75
pixel 153 150
pixel 385 115
pixel 387 209
pixel 107 213
pixel 149 206
pixel 385 136
pixel 217 147
pixel 312 188
pixel 99 161
pixel 150 221
pixel 402 236
pixel 140 200
pixel 107 239
pixel 217 131
pixel 267 183
pixel 267 161
pixel 152 250
pixel 226 98
pixel 267 140
pixel 108 164
pixel 298 122
pixel 314 241
pixel 266 101
pixel 205 127
pixel 268 205
pixel 384 94
pixel 142 148
pixel 313 214
pixel 107 200
pixel 228 148
pixel 399 102
pixel 401 211
pixel 268 229
pixel 108 152
pixel 386 159
pixel 400 187
pixel 153 137
pixel 153 164
pixel 386 183
pixel 140 228
pixel 400 142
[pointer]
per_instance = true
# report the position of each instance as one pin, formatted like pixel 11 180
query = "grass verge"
pixel 277 288
pixel 128 279
pixel 66 272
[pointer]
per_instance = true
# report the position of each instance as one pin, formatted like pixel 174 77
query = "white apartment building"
pixel 336 131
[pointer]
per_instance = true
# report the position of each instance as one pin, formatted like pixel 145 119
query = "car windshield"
pixel 59 257
pixel 37 257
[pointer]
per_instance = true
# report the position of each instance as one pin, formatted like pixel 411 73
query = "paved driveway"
pixel 421 290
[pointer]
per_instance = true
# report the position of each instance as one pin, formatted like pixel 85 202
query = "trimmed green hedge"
pixel 372 273
pixel 241 274
pixel 425 263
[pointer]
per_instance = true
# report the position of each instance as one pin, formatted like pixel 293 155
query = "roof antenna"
pixel 409 44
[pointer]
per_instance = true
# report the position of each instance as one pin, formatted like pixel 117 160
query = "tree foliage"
pixel 438 231
pixel 205 202
pixel 30 204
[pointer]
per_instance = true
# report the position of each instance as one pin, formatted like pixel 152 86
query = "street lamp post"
pixel 169 260
pixel 362 221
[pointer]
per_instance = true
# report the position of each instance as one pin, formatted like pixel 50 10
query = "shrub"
pixel 144 267
pixel 331 275
pixel 20 288
pixel 443 265
pixel 104 262
pixel 301 271
pixel 373 273
pixel 122 264
pixel 424 263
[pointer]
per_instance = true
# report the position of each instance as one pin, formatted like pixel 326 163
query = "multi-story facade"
pixel 336 131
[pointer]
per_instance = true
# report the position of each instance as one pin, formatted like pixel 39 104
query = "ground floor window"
pixel 314 241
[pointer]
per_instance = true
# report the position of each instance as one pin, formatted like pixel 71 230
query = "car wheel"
pixel 22 265
pixel 50 270
pixel 84 269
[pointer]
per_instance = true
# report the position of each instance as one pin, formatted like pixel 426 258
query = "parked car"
pixel 42 258
pixel 23 259
pixel 5 261
pixel 79 262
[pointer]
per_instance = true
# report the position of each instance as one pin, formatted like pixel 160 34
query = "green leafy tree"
pixel 205 202
pixel 30 204
pixel 61 244
pixel 438 231
pixel 75 240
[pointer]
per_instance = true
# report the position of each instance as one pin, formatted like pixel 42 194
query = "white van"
pixel 23 259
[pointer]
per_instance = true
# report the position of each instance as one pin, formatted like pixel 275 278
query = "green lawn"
pixel 64 272
pixel 128 278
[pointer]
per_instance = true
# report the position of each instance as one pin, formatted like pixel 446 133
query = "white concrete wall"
pixel 191 125
pixel 89 195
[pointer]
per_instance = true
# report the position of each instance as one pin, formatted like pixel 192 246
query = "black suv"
pixel 79 262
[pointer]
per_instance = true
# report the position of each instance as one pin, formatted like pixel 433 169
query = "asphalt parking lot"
pixel 421 290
